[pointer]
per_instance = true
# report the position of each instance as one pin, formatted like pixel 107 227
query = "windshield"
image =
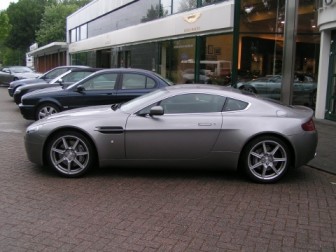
pixel 138 102
pixel 59 77
pixel 21 70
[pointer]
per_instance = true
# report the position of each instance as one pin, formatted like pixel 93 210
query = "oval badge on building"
pixel 192 17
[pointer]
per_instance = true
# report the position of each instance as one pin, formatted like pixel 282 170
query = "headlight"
pixel 33 128
pixel 18 91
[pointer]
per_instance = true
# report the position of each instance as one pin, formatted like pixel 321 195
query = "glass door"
pixel 331 94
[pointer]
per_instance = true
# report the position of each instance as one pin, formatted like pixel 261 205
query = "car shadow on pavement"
pixel 303 174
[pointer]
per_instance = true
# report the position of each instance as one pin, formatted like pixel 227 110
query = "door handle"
pixel 204 124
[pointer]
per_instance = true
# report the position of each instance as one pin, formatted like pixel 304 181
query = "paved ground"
pixel 151 210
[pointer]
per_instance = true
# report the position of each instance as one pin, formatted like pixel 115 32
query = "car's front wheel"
pixel 45 110
pixel 70 154
pixel 266 159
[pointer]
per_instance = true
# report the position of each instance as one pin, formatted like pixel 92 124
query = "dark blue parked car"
pixel 107 86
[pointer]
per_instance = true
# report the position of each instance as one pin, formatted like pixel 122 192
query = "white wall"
pixel 198 21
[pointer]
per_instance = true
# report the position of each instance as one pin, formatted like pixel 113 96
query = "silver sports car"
pixel 193 125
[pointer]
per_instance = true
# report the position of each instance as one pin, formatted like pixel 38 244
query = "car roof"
pixel 85 69
pixel 126 70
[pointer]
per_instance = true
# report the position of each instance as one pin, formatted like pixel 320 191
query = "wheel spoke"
pixel 284 159
pixel 257 155
pixel 59 151
pixel 264 147
pixel 79 163
pixel 275 149
pixel 66 146
pixel 69 166
pixel 75 144
pixel 256 165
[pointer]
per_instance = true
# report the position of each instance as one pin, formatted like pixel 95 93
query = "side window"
pixel 193 103
pixel 101 82
pixel 136 81
pixel 150 83
pixel 234 105
pixel 75 76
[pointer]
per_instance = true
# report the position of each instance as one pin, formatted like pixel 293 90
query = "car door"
pixel 98 90
pixel 188 129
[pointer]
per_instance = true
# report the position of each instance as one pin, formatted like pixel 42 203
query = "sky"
pixel 5 3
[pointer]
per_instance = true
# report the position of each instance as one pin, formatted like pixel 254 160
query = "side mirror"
pixel 156 111
pixel 60 81
pixel 80 88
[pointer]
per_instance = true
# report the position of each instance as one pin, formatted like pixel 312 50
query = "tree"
pixel 25 17
pixel 187 5
pixel 4 25
pixel 154 13
pixel 53 23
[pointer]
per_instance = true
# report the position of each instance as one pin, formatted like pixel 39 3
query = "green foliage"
pixel 10 56
pixel 25 17
pixel 4 25
pixel 53 24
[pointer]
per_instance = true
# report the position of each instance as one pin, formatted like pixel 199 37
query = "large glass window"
pixel 178 60
pixel 216 59
pixel 261 43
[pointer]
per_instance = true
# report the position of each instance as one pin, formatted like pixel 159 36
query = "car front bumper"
pixel 27 111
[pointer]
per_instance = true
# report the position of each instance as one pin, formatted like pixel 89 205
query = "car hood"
pixel 26 82
pixel 83 116
pixel 81 112
pixel 28 75
pixel 45 90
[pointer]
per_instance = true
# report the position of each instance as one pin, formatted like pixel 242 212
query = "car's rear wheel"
pixel 70 154
pixel 46 109
pixel 266 159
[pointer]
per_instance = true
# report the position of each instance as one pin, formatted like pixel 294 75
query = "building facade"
pixel 272 46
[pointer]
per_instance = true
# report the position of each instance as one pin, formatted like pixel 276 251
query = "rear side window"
pixel 234 105
pixel 136 81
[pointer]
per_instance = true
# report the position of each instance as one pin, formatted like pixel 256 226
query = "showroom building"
pixel 271 47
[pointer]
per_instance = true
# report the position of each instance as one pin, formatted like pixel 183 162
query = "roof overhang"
pixel 51 48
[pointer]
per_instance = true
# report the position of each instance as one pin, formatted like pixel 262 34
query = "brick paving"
pixel 156 210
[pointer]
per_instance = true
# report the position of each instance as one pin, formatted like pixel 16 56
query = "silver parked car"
pixel 304 88
pixel 193 125
pixel 13 73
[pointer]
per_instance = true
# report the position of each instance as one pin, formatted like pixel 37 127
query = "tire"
pixel 45 110
pixel 266 159
pixel 248 89
pixel 70 154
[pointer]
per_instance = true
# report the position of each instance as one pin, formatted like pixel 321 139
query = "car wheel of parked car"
pixel 266 159
pixel 248 89
pixel 70 153
pixel 45 110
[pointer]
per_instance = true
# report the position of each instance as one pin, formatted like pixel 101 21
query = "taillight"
pixel 309 126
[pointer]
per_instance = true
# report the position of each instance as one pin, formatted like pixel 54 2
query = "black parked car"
pixel 107 86
pixel 72 76
pixel 45 78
